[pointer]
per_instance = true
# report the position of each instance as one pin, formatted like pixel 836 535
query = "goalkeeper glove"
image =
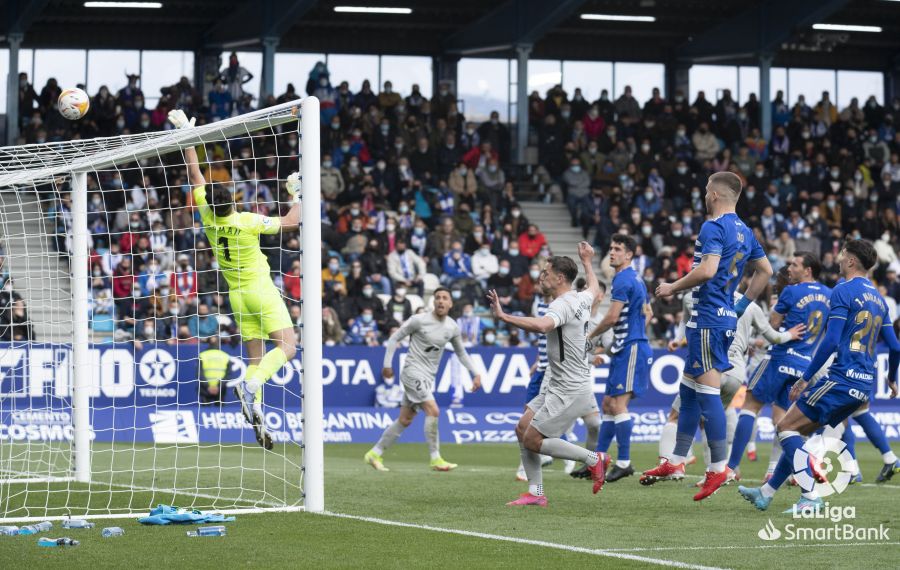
pixel 179 120
pixel 292 185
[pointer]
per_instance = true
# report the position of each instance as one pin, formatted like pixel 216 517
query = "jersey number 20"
pixel 864 339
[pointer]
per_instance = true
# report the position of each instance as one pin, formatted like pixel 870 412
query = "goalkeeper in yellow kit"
pixel 257 305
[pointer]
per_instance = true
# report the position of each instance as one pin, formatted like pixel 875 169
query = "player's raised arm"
pixel 180 121
pixel 291 220
pixel 586 253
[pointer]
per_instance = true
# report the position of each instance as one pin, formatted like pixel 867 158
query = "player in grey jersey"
pixel 569 391
pixel 429 333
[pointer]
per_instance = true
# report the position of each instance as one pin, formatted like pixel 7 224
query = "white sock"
pixel 623 463
pixel 767 491
pixel 854 467
pixel 536 490
pixel 377 450
pixel 812 494
pixel 667 439
pixel 751 446
pixel 718 466
pixel 889 457
pixel 676 459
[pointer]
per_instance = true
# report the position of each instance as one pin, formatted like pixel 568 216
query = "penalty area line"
pixel 578 549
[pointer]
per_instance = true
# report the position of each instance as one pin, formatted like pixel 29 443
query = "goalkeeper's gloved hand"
pixel 179 120
pixel 292 185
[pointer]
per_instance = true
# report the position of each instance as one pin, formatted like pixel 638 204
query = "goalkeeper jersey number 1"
pixel 235 242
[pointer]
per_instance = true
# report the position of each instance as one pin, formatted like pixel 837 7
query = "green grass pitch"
pixel 661 523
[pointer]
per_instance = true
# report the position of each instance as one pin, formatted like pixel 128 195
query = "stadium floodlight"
pixel 618 18
pixel 108 422
pixel 846 28
pixel 371 10
pixel 123 5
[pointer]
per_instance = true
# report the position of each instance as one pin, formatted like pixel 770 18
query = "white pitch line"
pixel 579 549
pixel 751 547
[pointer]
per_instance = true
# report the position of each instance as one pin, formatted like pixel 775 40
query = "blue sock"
pixel 688 419
pixel 624 423
pixel 873 431
pixel 607 432
pixel 789 445
pixel 710 401
pixel 849 439
pixel 742 435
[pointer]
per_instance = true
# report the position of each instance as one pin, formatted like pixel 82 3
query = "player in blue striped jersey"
pixel 804 302
pixel 857 319
pixel 629 368
pixel 725 245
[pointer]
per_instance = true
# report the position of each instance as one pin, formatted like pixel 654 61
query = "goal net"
pixel 119 342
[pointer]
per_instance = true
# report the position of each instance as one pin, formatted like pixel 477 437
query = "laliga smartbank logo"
pixel 830 461
pixel 839 530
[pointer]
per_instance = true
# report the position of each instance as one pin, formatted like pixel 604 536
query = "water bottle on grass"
pixel 208 531
pixel 53 542
pixel 112 531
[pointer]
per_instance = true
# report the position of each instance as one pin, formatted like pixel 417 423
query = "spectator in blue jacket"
pixel 457 264
pixel 364 326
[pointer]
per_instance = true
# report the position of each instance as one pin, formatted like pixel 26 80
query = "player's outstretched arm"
pixel 699 275
pixel 541 325
pixel 586 253
pixel 180 121
pixel 404 331
pixel 826 348
pixel 762 272
pixel 609 319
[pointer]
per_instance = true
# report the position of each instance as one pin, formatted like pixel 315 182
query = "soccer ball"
pixel 73 103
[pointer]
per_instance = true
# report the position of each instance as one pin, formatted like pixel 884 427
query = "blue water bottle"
pixel 77 523
pixel 36 528
pixel 9 530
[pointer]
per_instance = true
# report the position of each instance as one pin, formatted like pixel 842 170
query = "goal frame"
pixel 81 365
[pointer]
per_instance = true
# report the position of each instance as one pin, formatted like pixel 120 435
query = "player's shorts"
pixel 534 385
pixel 629 370
pixel 707 350
pixel 773 379
pixel 730 385
pixel 260 312
pixel 554 413
pixel 416 391
pixel 832 400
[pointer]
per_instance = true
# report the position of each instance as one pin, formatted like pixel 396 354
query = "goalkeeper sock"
pixel 251 370
pixel 271 363
pixel 431 436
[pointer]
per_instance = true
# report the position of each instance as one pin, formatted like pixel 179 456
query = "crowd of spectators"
pixel 414 194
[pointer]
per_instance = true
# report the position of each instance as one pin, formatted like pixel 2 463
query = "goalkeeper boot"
pixel 440 465
pixel 253 414
pixel 755 496
pixel 887 472
pixel 375 461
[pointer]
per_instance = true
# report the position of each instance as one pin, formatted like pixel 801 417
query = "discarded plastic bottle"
pixel 208 531
pixel 52 542
pixel 112 531
pixel 36 528
pixel 77 523
pixel 9 530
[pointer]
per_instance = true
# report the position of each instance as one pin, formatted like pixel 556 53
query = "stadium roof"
pixel 714 31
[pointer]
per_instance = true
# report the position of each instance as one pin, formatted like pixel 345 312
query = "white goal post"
pixel 82 474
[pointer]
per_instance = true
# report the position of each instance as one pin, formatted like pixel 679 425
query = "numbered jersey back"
pixel 567 347
pixel 803 304
pixel 864 311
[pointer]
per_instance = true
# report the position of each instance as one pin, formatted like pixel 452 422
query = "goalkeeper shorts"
pixel 259 313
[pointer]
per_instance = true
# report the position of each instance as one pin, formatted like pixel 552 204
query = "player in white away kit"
pixel 429 333
pixel 569 393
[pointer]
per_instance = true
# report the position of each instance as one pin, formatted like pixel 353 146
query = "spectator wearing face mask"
pixel 807 241
pixel 363 327
pixel 331 274
pixel 518 263
pixel 496 133
pixel 531 241
pixel 405 267
pixel 457 265
pixel 503 283
pixel 489 337
pixel 706 146
pixel 484 264
pixel 527 285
